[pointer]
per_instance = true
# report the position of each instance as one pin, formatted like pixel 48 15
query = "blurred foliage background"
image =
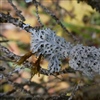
pixel 79 18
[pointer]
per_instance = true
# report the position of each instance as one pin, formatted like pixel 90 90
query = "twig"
pixel 37 15
pixel 18 12
pixel 7 18
pixel 55 18
pixel 4 41
pixel 17 85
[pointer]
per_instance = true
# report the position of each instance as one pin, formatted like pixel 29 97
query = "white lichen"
pixel 52 47
pixel 85 59
pixel 55 49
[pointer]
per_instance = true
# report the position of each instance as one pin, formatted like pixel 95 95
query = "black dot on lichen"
pixel 42 45
pixel 75 58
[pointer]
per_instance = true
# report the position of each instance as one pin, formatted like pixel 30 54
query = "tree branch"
pixel 15 58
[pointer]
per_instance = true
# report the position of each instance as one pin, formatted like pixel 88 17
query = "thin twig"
pixel 55 18
pixel 37 15
pixel 18 12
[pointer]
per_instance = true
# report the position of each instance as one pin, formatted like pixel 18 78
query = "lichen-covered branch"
pixel 55 49
pixel 7 18
pixel 14 58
